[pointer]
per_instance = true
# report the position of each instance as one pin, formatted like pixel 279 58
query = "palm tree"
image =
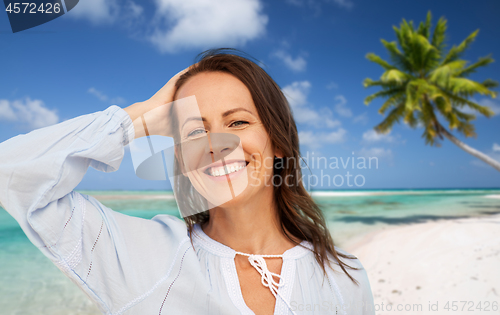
pixel 423 83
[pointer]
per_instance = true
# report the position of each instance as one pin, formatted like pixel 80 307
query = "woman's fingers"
pixel 151 117
pixel 167 92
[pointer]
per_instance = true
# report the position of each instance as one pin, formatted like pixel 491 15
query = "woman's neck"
pixel 251 227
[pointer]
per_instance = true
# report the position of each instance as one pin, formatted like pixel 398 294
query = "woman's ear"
pixel 278 163
pixel 278 153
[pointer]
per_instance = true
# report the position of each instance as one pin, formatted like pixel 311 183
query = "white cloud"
pixel 296 94
pixel 344 3
pixel 332 85
pixel 494 153
pixel 316 4
pixel 377 152
pixel 493 105
pixel 134 9
pixel 177 25
pixel 98 94
pixel 6 111
pixel 104 98
pixel 363 118
pixel 117 101
pixel 204 23
pixel 372 136
pixel 100 12
pixel 318 139
pixel 96 11
pixel 298 64
pixel 30 113
pixel 341 108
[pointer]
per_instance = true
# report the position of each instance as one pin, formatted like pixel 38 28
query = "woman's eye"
pixel 239 123
pixel 196 132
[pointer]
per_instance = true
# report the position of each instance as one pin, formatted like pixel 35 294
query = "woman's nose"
pixel 222 144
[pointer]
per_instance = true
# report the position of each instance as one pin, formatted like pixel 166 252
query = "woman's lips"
pixel 223 171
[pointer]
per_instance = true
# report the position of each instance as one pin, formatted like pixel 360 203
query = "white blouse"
pixel 129 265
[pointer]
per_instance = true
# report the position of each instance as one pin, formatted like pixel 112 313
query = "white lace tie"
pixel 259 263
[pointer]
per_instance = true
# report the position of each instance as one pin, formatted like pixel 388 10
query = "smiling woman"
pixel 256 246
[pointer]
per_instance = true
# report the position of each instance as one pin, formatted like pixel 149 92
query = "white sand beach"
pixel 493 196
pixel 440 267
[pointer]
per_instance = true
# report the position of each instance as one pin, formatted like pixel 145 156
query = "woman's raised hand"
pixel 151 117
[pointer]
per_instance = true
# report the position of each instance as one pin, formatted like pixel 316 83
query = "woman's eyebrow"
pixel 226 113
pixel 234 110
pixel 193 118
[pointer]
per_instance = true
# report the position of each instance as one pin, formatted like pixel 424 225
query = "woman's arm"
pixel 117 260
pixel 47 164
pixel 159 104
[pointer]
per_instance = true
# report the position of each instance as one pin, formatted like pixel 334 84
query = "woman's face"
pixel 226 108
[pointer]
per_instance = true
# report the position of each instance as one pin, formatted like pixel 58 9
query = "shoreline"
pixel 432 263
pixel 133 197
pixel 362 239
pixel 318 194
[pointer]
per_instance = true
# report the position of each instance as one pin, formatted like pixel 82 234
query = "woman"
pixel 265 250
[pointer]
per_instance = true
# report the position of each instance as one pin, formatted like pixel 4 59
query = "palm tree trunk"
pixel 485 158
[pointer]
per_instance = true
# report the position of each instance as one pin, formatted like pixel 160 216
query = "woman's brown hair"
pixel 299 216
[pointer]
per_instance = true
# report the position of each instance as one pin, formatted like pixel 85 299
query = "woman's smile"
pixel 227 170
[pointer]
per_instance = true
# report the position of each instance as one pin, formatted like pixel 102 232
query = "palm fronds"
pixel 421 79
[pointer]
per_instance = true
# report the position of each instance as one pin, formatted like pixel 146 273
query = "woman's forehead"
pixel 217 92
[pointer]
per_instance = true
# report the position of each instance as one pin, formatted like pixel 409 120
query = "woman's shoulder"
pixel 357 294
pixel 343 255
pixel 348 258
pixel 175 224
pixel 351 264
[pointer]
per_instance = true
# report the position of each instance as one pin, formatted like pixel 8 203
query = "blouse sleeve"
pixel 117 260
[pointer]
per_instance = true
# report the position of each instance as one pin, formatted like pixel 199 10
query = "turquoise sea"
pixel 30 284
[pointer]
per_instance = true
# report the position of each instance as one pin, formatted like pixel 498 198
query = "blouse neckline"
pixel 222 250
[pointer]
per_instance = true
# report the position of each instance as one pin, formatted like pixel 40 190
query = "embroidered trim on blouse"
pixel 336 291
pixel 222 250
pixel 258 262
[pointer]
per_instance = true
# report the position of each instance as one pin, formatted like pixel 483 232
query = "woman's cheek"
pixel 256 145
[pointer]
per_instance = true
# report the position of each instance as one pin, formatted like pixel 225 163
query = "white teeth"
pixel 231 168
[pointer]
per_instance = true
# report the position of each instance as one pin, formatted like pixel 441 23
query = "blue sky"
pixel 120 52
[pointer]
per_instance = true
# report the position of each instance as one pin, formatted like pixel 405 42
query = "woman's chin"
pixel 220 190
pixel 243 196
